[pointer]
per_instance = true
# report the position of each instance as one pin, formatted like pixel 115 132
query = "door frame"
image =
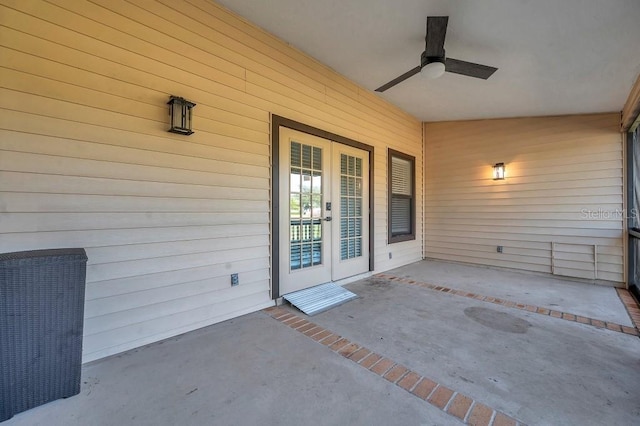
pixel 276 122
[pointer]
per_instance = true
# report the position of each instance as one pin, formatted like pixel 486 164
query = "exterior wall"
pixel 564 185
pixel 86 161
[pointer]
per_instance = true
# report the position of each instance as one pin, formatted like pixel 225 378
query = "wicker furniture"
pixel 41 320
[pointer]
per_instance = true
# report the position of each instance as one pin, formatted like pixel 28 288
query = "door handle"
pixel 327 219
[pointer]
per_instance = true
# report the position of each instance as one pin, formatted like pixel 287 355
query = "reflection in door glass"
pixel 295 180
pixel 294 205
pixel 305 206
pixel 351 181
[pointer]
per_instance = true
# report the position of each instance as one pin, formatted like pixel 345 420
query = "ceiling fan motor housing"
pixel 432 67
pixel 433 61
pixel 425 60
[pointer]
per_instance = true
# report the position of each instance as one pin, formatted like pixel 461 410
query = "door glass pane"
pixel 351 193
pixel 344 249
pixel 294 179
pixel 295 259
pixel 344 227
pixel 317 253
pixel 296 153
pixel 305 206
pixel 295 232
pixel 294 206
pixel 306 181
pixel 344 207
pixel 316 205
pixel 306 255
pixel 317 230
pixel 316 183
pixel 306 156
pixel 358 242
pixel 317 158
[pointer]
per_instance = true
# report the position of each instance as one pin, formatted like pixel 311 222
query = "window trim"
pixel 412 220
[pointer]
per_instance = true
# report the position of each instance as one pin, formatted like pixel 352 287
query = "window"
pixel 402 197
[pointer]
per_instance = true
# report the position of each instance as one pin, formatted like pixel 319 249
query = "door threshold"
pixel 319 298
pixel 348 280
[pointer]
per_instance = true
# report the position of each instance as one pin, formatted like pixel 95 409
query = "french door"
pixel 324 205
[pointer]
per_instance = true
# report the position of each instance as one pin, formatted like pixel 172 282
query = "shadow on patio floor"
pixel 409 355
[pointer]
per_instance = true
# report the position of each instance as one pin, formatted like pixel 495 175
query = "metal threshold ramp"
pixel 320 298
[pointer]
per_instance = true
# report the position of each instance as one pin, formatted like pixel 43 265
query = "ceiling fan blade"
pixel 400 79
pixel 469 68
pixel 436 32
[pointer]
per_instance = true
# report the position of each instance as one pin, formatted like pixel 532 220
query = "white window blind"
pixel 401 197
pixel 400 216
pixel 401 176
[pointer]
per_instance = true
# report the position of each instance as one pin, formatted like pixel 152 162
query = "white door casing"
pixel 324 205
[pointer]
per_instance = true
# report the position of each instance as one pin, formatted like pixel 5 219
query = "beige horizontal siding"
pixel 564 186
pixel 86 161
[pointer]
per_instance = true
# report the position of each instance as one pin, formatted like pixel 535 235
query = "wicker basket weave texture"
pixel 41 323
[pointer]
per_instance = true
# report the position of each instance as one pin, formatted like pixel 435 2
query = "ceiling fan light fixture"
pixel 433 59
pixel 433 70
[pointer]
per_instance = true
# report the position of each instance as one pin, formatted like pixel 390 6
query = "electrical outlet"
pixel 499 249
pixel 234 280
pixel 390 255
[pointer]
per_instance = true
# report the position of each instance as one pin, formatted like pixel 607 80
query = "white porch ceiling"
pixel 554 56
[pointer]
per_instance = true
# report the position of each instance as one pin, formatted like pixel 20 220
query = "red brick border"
pixel 631 304
pixel 627 299
pixel 463 407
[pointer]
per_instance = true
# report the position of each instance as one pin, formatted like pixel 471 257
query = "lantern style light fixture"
pixel 180 114
pixel 498 171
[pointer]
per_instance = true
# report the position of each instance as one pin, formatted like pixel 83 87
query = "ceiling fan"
pixel 433 62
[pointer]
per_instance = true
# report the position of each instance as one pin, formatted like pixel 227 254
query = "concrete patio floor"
pixel 482 361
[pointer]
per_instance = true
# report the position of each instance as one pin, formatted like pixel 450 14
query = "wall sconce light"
pixel 498 171
pixel 180 113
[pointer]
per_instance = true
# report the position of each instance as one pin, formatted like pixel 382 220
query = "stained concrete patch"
pixel 497 320
pixel 557 373
pixel 378 283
